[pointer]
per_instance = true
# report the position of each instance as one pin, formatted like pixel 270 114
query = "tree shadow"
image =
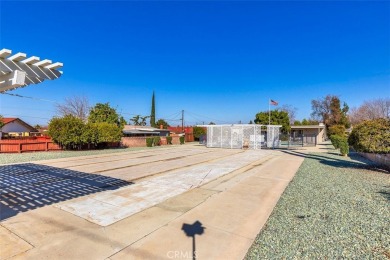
pixel 28 186
pixel 191 230
pixel 356 161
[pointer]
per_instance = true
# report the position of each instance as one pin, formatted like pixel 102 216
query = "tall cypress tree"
pixel 153 114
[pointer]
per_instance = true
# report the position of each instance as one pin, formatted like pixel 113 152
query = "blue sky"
pixel 219 61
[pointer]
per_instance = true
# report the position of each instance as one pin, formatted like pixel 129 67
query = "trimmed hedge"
pixel 181 139
pixel 371 136
pixel 149 141
pixel 156 141
pixel 169 139
pixel 340 142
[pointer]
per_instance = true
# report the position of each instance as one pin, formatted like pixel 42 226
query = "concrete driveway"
pixel 168 203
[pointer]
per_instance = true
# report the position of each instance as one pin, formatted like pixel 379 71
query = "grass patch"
pixel 335 207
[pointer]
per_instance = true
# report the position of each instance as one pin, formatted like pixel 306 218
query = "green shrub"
pixel 156 141
pixel 340 142
pixel 149 141
pixel 67 131
pixel 198 131
pixel 344 147
pixel 169 139
pixel 181 139
pixel 335 139
pixel 336 130
pixel 371 136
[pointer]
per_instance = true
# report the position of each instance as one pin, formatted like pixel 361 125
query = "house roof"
pixel 147 129
pixel 307 126
pixel 7 120
pixel 140 132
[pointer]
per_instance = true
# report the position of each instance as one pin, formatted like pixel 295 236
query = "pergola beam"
pixel 54 66
pixel 5 53
pixel 31 60
pixel 17 57
pixel 14 79
pixel 19 71
pixel 43 63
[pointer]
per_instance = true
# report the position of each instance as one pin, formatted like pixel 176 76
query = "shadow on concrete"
pixel 29 186
pixel 356 162
pixel 191 230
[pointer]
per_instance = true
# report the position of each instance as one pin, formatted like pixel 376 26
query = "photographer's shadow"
pixel 191 230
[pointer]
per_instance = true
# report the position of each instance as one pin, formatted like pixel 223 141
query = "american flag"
pixel 273 102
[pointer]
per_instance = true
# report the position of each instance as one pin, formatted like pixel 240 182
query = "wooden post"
pixel 20 147
pixel 47 146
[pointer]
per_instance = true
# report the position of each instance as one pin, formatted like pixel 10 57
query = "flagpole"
pixel 269 111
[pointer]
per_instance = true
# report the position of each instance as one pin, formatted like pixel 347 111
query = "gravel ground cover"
pixel 335 207
pixel 6 158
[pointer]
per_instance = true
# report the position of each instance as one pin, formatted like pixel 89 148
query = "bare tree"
pixel 77 106
pixel 371 109
pixel 328 110
pixel 291 111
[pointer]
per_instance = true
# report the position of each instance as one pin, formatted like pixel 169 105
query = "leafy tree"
pixel 77 106
pixel 153 114
pixel 108 132
pixel 90 134
pixel 278 117
pixel 139 120
pixel 163 123
pixel 104 113
pixel 72 133
pixel 306 122
pixel 122 121
pixel 250 122
pixel 37 127
pixel 198 131
pixel 211 123
pixel 67 131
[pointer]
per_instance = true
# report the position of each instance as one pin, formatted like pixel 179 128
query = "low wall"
pixel 383 159
pixel 141 141
pixel 133 141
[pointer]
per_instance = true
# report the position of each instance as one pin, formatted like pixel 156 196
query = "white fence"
pixel 249 136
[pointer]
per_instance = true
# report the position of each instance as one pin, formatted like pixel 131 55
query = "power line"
pixel 203 116
pixel 34 98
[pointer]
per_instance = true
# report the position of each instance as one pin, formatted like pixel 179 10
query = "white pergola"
pixel 18 70
pixel 251 136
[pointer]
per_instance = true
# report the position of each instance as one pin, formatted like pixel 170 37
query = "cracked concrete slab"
pixel 11 245
pixel 108 207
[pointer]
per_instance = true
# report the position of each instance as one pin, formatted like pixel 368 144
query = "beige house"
pixel 15 127
pixel 315 131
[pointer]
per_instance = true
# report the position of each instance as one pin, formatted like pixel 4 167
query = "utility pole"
pixel 182 121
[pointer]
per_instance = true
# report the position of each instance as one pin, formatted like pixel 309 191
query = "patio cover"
pixel 18 71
